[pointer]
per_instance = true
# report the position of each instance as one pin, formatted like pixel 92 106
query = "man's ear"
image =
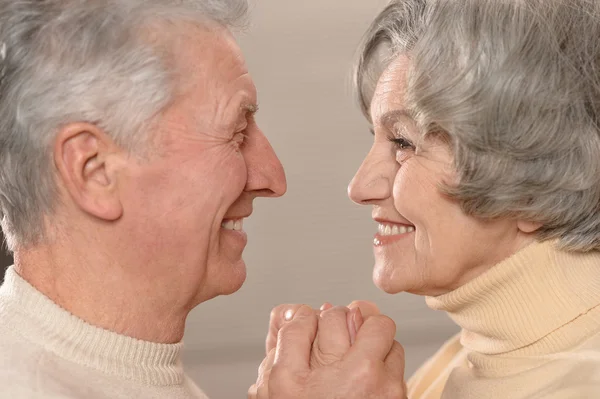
pixel 528 227
pixel 81 153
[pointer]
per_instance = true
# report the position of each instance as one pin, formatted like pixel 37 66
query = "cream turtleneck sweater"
pixel 46 352
pixel 530 329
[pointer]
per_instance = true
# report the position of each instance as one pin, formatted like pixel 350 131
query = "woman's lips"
pixel 391 232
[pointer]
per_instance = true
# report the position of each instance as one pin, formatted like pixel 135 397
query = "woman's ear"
pixel 81 154
pixel 528 227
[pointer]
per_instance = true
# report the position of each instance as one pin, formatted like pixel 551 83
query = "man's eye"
pixel 240 138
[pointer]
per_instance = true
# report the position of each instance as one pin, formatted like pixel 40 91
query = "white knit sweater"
pixel 46 352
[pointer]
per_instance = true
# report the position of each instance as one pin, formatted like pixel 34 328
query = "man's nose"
pixel 266 177
pixel 371 182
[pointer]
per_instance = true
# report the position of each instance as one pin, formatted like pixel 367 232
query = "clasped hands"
pixel 334 352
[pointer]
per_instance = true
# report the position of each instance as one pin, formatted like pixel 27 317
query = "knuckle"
pixel 334 312
pixel 383 323
pixel 278 311
pixel 367 370
pixel 319 358
pixel 396 390
pixel 398 349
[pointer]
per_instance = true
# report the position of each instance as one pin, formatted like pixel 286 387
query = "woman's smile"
pixel 389 232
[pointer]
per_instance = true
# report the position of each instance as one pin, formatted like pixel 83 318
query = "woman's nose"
pixel 372 182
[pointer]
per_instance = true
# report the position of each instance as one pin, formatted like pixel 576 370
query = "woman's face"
pixel 425 243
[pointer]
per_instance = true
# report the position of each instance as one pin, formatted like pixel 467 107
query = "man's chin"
pixel 230 278
pixel 237 277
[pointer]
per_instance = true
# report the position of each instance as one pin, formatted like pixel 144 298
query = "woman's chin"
pixel 388 280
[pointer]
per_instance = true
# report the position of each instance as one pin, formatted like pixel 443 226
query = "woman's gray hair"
pixel 65 61
pixel 515 87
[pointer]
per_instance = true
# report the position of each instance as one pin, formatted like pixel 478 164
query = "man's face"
pixel 209 160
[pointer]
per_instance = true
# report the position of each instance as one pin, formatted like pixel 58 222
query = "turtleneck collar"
pixel 523 298
pixel 46 324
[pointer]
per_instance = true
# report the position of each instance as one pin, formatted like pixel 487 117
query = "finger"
pixel 295 340
pixel 265 367
pixel 395 361
pixel 264 373
pixel 325 306
pixel 355 322
pixel 279 315
pixel 333 336
pixel 253 392
pixel 374 340
pixel 367 308
pixel 260 388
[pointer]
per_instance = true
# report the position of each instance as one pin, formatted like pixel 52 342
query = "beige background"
pixel 312 245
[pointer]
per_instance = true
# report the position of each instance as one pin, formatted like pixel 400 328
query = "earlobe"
pixel 81 153
pixel 528 227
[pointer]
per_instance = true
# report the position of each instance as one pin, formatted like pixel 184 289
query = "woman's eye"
pixel 402 144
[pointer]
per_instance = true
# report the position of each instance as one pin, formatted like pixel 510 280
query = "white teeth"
pixel 236 225
pixel 394 230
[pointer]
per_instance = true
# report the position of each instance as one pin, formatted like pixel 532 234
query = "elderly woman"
pixel 120 122
pixel 484 177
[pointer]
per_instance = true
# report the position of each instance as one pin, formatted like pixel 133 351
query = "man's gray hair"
pixel 65 61
pixel 515 87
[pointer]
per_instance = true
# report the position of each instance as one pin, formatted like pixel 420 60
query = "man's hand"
pixel 333 353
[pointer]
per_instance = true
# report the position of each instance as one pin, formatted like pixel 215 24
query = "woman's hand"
pixel 335 352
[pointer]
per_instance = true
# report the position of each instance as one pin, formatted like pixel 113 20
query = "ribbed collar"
pixel 44 323
pixel 524 298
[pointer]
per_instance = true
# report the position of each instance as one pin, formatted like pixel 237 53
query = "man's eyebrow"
pixel 249 108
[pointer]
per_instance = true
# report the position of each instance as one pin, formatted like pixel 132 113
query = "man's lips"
pixel 234 222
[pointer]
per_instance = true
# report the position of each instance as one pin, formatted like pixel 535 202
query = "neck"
pixel 104 293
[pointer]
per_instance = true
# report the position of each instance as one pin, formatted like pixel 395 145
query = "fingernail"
pixel 289 315
pixel 326 306
pixel 350 318
pixel 358 319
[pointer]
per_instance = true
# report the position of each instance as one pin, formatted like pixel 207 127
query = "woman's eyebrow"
pixel 391 118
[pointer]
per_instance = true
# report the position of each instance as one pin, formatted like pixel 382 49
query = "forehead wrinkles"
pixel 391 88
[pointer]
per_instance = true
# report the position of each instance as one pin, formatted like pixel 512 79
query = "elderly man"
pixel 130 158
